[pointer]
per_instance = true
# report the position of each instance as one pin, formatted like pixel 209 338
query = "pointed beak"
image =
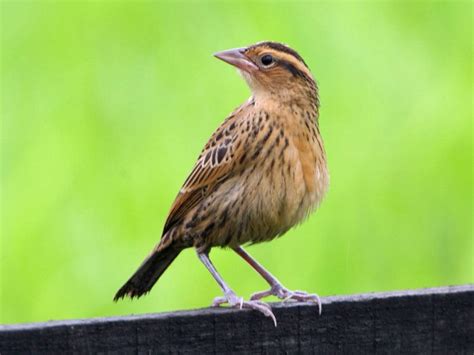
pixel 237 58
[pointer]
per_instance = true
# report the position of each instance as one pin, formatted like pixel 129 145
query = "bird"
pixel 262 172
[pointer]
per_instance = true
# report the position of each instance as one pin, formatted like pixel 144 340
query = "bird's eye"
pixel 267 60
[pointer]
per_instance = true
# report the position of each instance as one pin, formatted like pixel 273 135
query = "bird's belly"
pixel 266 203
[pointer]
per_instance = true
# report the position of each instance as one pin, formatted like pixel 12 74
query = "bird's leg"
pixel 276 288
pixel 229 295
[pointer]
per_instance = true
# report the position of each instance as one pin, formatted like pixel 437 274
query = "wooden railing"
pixel 437 320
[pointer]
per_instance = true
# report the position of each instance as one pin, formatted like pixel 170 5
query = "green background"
pixel 106 106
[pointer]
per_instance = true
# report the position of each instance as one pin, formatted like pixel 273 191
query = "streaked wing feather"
pixel 215 163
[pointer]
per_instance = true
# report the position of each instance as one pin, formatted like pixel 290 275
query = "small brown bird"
pixel 262 172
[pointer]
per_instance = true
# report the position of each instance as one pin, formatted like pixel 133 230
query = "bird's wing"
pixel 217 161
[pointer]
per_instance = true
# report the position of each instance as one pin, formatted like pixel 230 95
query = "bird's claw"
pixel 238 302
pixel 286 295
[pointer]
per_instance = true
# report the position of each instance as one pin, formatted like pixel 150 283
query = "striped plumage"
pixel 262 171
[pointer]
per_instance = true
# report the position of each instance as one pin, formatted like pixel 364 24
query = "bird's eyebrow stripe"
pixel 296 67
pixel 282 48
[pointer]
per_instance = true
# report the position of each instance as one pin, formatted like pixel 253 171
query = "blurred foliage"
pixel 106 105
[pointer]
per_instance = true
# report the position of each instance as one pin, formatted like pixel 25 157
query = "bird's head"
pixel 272 69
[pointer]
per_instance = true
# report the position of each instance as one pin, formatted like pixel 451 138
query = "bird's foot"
pixel 238 302
pixel 286 295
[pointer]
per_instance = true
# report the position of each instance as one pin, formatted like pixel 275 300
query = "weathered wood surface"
pixel 439 320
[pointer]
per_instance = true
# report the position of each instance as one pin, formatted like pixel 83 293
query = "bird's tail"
pixel 149 272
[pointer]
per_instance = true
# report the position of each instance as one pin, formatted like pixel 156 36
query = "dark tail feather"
pixel 148 273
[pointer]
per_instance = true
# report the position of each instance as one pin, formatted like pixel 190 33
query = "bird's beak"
pixel 237 58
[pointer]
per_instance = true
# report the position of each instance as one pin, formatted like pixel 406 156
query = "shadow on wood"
pixel 439 320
